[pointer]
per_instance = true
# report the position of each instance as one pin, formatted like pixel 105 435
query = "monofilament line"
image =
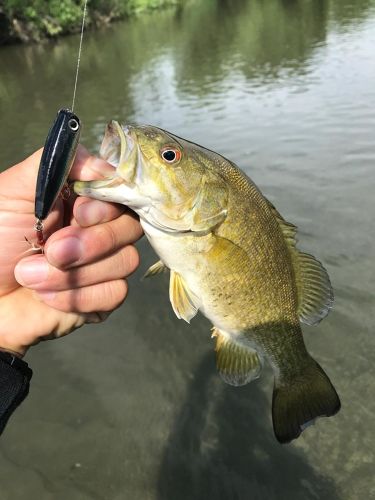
pixel 79 53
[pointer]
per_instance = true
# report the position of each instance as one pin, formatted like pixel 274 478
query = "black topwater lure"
pixel 57 159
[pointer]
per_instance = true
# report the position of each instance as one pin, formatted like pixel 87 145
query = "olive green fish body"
pixel 257 312
pixel 231 256
pixel 270 298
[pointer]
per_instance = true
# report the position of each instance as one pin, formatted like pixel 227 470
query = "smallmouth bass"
pixel 233 257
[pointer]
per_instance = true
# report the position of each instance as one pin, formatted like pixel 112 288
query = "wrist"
pixel 19 352
pixel 15 333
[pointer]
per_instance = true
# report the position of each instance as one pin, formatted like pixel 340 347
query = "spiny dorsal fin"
pixel 315 295
pixel 236 364
pixel 155 269
pixel 184 302
pixel 288 229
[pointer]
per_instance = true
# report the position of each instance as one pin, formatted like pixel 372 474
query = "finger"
pixel 88 212
pixel 103 297
pixel 74 246
pixel 35 272
pixel 87 167
pixel 20 177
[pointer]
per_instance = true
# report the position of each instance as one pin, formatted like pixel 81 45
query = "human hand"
pixel 80 278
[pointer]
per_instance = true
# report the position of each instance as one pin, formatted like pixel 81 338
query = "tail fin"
pixel 297 402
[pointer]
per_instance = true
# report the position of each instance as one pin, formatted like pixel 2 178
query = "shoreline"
pixel 27 26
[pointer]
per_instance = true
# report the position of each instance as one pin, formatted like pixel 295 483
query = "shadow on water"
pixel 223 447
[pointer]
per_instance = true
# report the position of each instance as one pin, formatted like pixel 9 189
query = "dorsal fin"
pixel 314 289
pixel 315 295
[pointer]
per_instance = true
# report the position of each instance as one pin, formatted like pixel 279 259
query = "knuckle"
pixel 107 237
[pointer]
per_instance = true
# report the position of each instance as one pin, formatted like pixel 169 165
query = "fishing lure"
pixel 57 159
pixel 58 155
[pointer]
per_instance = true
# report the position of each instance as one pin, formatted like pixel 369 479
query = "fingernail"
pixel 65 252
pixel 91 213
pixel 31 272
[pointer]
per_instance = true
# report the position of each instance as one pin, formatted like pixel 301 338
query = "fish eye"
pixel 170 155
pixel 73 125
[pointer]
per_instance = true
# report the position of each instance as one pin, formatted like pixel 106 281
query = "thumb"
pixel 87 167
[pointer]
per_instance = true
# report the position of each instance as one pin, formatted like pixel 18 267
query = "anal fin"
pixel 236 364
pixel 184 302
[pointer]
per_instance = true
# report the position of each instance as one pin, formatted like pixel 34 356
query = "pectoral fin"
pixel 236 364
pixel 184 302
pixel 157 268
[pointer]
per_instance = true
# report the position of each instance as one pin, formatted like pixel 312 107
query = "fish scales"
pixel 232 257
pixel 272 296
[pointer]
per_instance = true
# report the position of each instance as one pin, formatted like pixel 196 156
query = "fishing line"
pixel 58 156
pixel 79 53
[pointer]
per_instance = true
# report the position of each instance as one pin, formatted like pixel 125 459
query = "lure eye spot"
pixel 73 125
pixel 170 155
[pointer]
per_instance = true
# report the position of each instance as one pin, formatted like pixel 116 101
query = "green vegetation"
pixel 33 20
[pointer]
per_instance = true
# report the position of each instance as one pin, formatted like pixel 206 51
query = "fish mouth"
pixel 120 149
pixel 102 189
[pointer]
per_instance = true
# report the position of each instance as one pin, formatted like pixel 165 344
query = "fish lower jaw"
pixel 112 190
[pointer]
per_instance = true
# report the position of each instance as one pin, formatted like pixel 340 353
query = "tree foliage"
pixel 27 20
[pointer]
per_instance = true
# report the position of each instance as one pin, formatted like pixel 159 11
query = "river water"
pixel 133 409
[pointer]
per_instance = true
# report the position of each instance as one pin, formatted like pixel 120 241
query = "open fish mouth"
pixel 112 143
pixel 120 149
